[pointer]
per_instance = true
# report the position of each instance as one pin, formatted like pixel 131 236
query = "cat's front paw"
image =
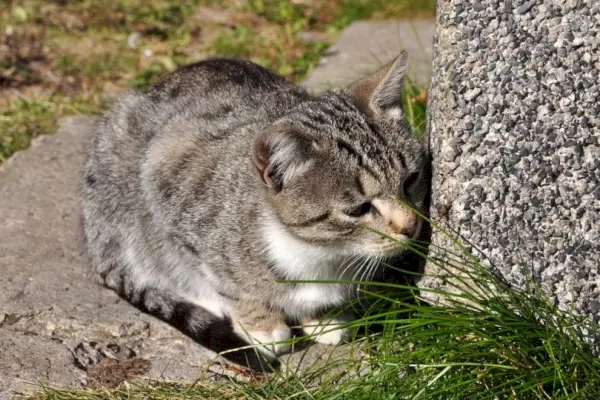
pixel 267 341
pixel 334 337
pixel 262 328
pixel 328 331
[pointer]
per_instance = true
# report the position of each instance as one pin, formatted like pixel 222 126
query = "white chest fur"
pixel 298 260
pixel 309 298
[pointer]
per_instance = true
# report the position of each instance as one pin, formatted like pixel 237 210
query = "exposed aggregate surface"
pixel 514 131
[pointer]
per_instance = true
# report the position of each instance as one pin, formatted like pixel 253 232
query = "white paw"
pixel 329 331
pixel 267 341
pixel 334 337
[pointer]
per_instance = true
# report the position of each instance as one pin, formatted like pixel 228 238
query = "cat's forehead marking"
pixel 368 185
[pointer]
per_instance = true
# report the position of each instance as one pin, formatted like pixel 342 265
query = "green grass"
pixel 59 57
pixel 280 55
pixel 24 119
pixel 415 107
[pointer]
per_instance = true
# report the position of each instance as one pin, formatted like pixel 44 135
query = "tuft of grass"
pixel 414 98
pixel 484 340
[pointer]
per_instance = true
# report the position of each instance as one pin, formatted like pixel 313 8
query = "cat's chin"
pixel 389 253
pixel 386 253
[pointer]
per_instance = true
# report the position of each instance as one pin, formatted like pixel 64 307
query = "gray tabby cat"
pixel 203 192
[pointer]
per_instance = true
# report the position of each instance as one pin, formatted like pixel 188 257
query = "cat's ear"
pixel 380 94
pixel 280 155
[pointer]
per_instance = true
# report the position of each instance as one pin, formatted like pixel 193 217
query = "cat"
pixel 205 191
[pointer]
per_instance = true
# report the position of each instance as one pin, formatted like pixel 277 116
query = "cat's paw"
pixel 266 341
pixel 334 337
pixel 328 331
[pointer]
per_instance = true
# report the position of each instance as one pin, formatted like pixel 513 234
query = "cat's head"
pixel 341 162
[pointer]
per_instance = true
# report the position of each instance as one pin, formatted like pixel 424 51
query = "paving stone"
pixel 366 45
pixel 50 302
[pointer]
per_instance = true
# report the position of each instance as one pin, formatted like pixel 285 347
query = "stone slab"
pixel 49 303
pixel 366 45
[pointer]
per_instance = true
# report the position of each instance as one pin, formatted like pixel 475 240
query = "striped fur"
pixel 203 191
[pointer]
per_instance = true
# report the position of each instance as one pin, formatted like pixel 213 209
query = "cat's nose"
pixel 410 230
pixel 404 222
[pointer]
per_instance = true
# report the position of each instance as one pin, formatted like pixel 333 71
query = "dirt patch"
pixel 110 373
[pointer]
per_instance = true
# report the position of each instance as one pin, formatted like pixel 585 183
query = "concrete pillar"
pixel 514 131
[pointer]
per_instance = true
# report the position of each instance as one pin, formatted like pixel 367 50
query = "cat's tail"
pixel 192 319
pixel 217 334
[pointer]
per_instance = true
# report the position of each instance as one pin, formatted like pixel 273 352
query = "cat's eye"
pixel 360 210
pixel 410 181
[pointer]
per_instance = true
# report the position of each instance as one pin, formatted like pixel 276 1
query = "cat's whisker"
pixel 347 264
pixel 352 261
pixel 371 273
pixel 366 262
pixel 359 270
pixel 365 278
pixel 373 263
